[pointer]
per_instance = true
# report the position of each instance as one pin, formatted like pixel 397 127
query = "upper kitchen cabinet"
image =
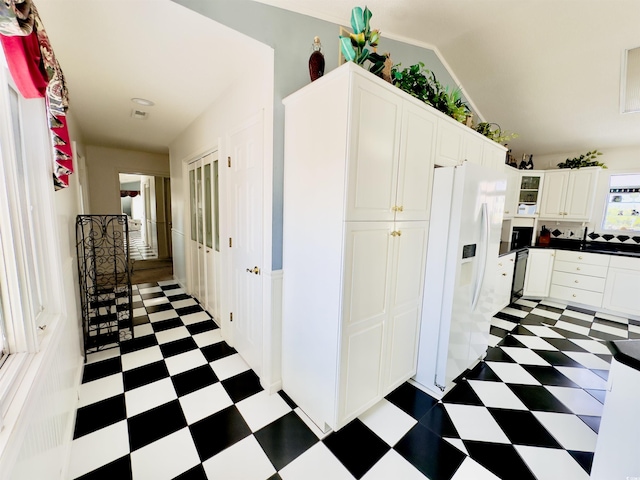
pixel 493 156
pixel 456 144
pixel 390 154
pixel 530 193
pixel 513 191
pixel 569 194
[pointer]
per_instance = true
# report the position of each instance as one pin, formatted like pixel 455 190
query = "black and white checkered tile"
pixel 139 250
pixel 178 403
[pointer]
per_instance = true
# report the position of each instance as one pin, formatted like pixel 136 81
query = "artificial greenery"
pixel 585 160
pixel 354 47
pixel 423 84
pixel 494 132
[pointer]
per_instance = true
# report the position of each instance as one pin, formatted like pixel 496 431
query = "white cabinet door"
pixel 473 149
pixel 622 291
pixel 415 171
pixel 493 156
pixel 367 283
pixel 449 145
pixel 374 148
pixel 580 194
pixel 554 194
pixel 402 332
pixel 569 194
pixel 504 281
pixel 513 189
pixel 537 278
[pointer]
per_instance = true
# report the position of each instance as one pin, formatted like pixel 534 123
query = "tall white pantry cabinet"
pixel 357 191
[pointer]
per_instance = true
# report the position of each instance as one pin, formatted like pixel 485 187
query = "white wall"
pixel 619 160
pixel 39 444
pixel 104 166
pixel 243 100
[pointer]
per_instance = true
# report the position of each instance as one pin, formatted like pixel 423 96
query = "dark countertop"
pixel 626 352
pixel 625 250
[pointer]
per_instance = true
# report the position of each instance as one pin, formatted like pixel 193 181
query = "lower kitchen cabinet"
pixel 579 277
pixel 351 321
pixel 504 280
pixel 537 279
pixel 622 289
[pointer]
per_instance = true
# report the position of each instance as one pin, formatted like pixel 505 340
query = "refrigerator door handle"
pixel 485 247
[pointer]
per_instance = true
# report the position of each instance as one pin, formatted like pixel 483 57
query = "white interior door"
pixel 197 252
pixel 211 235
pixel 244 200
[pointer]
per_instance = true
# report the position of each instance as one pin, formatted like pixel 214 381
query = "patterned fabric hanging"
pixel 37 73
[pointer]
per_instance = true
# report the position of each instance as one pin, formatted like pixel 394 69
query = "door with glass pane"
pixel 196 202
pixel 205 238
pixel 211 233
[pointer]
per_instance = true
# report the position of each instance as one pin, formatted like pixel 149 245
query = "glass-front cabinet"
pixel 530 192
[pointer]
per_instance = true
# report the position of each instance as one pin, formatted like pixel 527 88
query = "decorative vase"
pixel 316 60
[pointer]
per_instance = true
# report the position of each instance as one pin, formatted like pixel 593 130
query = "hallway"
pixel 178 402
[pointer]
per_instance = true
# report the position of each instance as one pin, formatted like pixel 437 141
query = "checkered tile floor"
pixel 178 403
pixel 139 249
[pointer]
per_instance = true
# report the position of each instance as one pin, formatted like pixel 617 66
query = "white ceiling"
pixel 546 69
pixel 114 50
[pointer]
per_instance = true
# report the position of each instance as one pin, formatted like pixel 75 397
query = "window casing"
pixel 30 280
pixel 622 206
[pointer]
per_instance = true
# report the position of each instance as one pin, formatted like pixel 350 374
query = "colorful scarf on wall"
pixel 37 74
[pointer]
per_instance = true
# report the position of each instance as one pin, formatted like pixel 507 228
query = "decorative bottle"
pixel 316 60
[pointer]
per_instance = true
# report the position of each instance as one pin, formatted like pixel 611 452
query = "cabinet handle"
pixel 506 211
pixel 396 233
pixel 500 264
pixel 576 281
pixel 578 268
pixel 504 274
pixel 398 208
pixel 574 295
pixel 580 257
pixel 511 259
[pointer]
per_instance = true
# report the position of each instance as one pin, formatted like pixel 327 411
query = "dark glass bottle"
pixel 316 60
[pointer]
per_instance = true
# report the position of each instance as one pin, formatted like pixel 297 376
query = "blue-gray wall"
pixel 291 36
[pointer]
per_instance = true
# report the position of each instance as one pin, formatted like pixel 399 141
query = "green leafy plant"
pixel 585 160
pixel 354 47
pixel 494 132
pixel 421 83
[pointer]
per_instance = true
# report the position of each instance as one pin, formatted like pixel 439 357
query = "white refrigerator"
pixel 464 238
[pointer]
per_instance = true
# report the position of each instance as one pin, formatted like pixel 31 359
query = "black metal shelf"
pixel 104 274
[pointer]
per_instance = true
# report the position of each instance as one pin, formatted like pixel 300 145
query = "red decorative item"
pixel 316 60
pixel 25 64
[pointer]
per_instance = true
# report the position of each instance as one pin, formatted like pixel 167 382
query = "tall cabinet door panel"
pixel 367 277
pixel 554 194
pixel 410 248
pixel 416 163
pixel 374 147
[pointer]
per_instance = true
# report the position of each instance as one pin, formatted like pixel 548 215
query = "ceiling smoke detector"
pixel 139 114
pixel 630 88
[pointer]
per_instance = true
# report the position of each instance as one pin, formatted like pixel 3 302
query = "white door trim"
pixel 186 205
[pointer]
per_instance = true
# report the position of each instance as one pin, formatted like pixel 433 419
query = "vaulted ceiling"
pixel 546 69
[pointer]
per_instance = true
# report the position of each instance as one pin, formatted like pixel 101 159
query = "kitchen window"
pixel 622 208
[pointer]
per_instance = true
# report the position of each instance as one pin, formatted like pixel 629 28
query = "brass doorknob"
pixel 255 270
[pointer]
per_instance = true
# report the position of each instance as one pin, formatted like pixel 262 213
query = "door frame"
pixel 271 378
pixel 189 287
